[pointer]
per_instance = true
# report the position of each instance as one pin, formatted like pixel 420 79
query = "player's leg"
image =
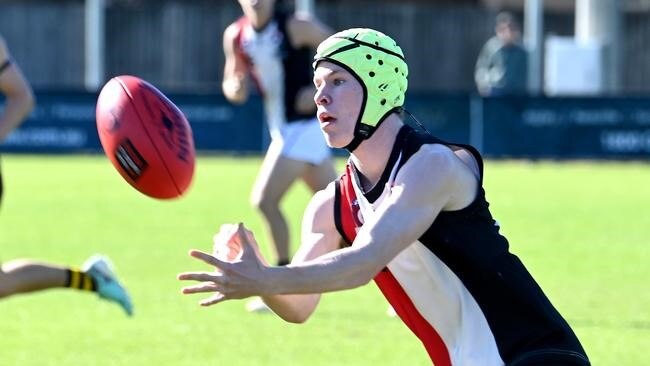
pixel 274 179
pixel 317 177
pixel 309 146
pixel 301 153
pixel 23 276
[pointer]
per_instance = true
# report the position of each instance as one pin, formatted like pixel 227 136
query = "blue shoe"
pixel 108 287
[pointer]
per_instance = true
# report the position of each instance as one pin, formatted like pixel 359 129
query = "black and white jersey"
pixel 278 69
pixel 458 288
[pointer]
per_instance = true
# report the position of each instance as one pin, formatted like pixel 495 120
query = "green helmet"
pixel 378 64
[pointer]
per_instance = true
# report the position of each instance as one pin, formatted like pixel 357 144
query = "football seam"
pixel 160 157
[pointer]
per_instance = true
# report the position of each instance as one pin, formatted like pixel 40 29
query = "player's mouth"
pixel 325 118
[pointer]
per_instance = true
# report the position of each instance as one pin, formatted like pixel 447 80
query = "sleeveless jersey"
pixel 278 69
pixel 458 288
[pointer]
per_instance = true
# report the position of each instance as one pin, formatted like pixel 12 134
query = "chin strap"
pixel 364 132
pixel 356 141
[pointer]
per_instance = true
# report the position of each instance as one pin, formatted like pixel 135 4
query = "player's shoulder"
pixel 233 29
pixel 434 151
pixel 431 158
pixel 307 30
pixel 301 18
pixel 300 22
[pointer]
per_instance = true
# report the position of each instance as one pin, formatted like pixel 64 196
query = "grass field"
pixel 581 228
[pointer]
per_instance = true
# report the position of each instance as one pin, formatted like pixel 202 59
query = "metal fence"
pixel 177 44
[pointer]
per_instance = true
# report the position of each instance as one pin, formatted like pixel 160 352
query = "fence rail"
pixel 177 44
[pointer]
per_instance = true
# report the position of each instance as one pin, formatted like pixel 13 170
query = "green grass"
pixel 581 228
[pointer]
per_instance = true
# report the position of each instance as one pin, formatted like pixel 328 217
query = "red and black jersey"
pixel 278 69
pixel 458 288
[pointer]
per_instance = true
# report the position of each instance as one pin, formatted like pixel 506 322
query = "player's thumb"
pixel 248 251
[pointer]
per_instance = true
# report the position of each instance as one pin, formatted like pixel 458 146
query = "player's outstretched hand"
pixel 239 271
pixel 227 247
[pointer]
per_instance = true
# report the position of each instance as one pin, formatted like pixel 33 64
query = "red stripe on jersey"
pixel 409 314
pixel 239 49
pixel 390 288
pixel 242 23
pixel 349 207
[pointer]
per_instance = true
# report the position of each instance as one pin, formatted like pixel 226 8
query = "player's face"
pixel 339 96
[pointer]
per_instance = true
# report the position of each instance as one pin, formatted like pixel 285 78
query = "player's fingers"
pixel 242 236
pixel 209 259
pixel 202 287
pixel 200 276
pixel 212 300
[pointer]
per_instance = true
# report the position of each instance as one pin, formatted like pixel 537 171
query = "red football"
pixel 146 137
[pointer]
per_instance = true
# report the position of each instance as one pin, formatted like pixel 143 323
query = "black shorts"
pixel 551 357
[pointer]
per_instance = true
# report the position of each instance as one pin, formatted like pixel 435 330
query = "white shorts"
pixel 302 140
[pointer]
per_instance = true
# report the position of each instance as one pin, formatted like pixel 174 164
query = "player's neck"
pixel 372 155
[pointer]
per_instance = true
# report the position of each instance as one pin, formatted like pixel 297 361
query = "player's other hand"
pixel 242 277
pixel 228 248
pixel 234 88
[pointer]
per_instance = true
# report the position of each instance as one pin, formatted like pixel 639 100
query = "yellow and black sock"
pixel 80 280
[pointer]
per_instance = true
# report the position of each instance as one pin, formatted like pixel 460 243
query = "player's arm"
pixel 418 195
pixel 416 199
pixel 306 31
pixel 19 97
pixel 319 237
pixel 234 85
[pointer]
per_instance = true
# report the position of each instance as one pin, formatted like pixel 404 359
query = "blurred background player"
pixel 22 275
pixel 502 65
pixel 274 47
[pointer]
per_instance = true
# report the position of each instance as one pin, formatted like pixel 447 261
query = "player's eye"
pixel 338 81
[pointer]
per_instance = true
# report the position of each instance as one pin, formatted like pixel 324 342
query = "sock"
pixel 283 262
pixel 80 280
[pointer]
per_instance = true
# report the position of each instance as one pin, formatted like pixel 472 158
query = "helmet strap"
pixel 363 131
pixel 356 141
